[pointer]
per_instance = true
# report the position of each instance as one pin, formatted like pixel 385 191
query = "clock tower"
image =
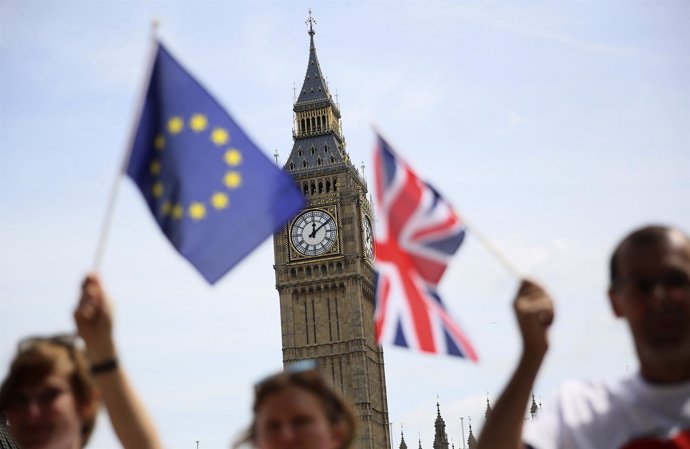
pixel 324 261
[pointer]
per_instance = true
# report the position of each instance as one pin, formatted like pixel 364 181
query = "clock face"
pixel 368 238
pixel 313 232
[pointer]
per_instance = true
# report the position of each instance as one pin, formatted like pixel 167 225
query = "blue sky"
pixel 554 127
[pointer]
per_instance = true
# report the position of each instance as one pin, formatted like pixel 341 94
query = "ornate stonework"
pixel 324 261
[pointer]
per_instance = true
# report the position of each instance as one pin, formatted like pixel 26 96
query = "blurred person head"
pixel 650 289
pixel 49 396
pixel 299 410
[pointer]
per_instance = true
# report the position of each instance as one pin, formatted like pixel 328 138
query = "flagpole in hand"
pixel 114 191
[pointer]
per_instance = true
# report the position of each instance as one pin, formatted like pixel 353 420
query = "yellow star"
pixel 177 212
pixel 197 211
pixel 158 189
pixel 220 200
pixel 166 208
pixel 159 143
pixel 219 136
pixel 175 125
pixel 232 179
pixel 233 157
pixel 155 167
pixel 198 122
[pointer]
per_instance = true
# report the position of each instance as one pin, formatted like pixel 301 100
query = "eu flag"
pixel 215 195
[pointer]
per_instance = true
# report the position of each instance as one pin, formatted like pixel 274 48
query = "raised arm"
pixel 534 312
pixel 94 319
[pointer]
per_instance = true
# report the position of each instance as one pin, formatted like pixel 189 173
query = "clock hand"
pixel 313 234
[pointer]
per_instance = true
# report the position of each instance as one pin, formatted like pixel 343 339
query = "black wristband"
pixel 104 367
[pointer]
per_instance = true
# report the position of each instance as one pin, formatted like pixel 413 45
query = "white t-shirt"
pixel 623 413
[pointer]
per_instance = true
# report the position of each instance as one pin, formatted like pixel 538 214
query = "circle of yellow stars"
pixel 232 178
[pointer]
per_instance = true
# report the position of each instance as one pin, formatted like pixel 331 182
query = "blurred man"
pixel 650 289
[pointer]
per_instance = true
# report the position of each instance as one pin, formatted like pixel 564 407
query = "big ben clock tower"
pixel 324 261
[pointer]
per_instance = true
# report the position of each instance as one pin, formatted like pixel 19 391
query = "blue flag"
pixel 215 195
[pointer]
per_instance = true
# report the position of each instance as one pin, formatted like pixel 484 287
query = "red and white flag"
pixel 417 232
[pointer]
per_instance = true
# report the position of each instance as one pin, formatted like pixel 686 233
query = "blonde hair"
pixel 39 357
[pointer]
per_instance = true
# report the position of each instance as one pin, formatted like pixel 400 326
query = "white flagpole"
pixel 492 249
pixel 485 242
pixel 108 218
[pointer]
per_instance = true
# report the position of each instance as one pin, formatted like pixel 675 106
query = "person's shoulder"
pixel 586 389
pixel 579 401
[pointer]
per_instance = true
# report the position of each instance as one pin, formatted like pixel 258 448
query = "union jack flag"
pixel 417 232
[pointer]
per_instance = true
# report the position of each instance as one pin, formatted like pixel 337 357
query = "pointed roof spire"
pixel 403 445
pixel 471 440
pixel 440 436
pixel 533 408
pixel 488 406
pixel 314 88
pixel 420 441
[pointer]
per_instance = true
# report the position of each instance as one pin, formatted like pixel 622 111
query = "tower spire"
pixel 311 22
pixel 533 408
pixel 403 445
pixel 317 129
pixel 471 440
pixel 440 436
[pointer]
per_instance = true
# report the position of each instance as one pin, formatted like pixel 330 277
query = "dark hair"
pixel 337 410
pixel 37 360
pixel 648 235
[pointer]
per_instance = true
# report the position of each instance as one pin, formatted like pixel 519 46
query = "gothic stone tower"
pixel 324 261
pixel 440 436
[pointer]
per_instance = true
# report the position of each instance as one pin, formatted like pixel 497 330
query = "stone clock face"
pixel 368 238
pixel 313 232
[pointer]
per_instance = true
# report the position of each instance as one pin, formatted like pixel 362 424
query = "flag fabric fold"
pixel 417 232
pixel 215 195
